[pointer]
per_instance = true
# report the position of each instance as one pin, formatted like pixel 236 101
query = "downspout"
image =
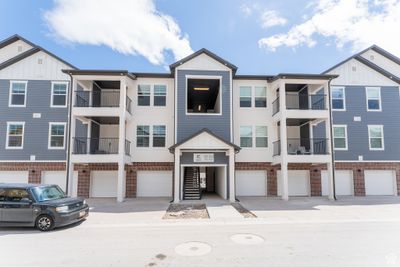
pixel 331 141
pixel 69 131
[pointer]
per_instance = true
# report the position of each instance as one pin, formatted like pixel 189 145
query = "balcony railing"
pixel 275 106
pixel 305 101
pixel 129 104
pixel 303 146
pixel 99 146
pixel 105 98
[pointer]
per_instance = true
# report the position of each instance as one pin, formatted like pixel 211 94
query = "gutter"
pixel 331 141
pixel 69 132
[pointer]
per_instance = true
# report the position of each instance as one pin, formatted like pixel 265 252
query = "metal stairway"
pixel 191 186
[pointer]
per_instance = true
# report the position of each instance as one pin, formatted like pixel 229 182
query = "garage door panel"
pixel 251 183
pixel 14 177
pixel 380 182
pixel 103 183
pixel 344 183
pixel 154 183
pixel 299 183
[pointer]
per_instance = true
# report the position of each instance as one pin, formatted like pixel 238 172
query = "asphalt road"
pixel 319 244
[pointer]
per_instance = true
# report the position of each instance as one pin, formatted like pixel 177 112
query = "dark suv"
pixel 43 206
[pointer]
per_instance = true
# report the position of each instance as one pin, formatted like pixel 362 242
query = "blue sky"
pixel 260 37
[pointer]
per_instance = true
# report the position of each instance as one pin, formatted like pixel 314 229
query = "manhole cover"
pixel 193 249
pixel 247 239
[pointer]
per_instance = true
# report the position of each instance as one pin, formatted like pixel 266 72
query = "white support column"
pixel 330 180
pixel 232 193
pixel 177 175
pixel 70 174
pixel 283 138
pixel 311 134
pixel 88 135
pixel 285 180
pixel 121 142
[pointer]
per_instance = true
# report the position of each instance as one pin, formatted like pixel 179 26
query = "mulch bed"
pixel 242 210
pixel 186 211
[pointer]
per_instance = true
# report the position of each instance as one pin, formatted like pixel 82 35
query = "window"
pixel 160 95
pixel 260 97
pixel 17 94
pixel 56 135
pixel 15 135
pixel 246 136
pixel 58 95
pixel 245 96
pixel 143 136
pixel 373 98
pixel 338 98
pixel 143 95
pixel 159 136
pixel 340 137
pixel 261 136
pixel 16 195
pixel 375 135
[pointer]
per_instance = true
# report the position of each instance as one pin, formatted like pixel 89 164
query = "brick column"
pixel 35 176
pixel 398 181
pixel 131 182
pixel 315 182
pixel 83 182
pixel 272 183
pixel 359 182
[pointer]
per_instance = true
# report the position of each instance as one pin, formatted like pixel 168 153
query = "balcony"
pixel 305 101
pixel 98 146
pixel 100 99
pixel 303 146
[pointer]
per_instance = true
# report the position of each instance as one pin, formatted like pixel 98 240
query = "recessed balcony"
pixel 98 146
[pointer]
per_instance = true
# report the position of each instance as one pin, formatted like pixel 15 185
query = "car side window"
pixel 16 195
pixel 2 194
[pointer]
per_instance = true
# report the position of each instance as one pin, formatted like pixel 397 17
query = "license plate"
pixel 82 213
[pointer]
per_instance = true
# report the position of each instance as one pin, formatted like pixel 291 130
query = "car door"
pixel 17 206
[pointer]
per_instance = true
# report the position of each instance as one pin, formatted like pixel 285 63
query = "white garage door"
pixel 154 183
pixel 251 183
pixel 380 182
pixel 344 183
pixel 14 176
pixel 103 183
pixel 299 183
pixel 324 183
pixel 54 177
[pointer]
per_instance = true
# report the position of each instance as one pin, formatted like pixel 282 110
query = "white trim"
pixel 382 137
pixel 344 97
pixel 49 136
pixel 52 94
pixel 23 134
pixel 204 77
pixel 345 137
pixel 10 94
pixel 380 98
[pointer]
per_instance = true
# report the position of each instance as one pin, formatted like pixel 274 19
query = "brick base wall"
pixel 315 182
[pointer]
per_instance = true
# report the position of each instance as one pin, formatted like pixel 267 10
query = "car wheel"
pixel 44 223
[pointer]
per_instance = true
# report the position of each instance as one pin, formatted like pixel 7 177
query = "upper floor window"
pixel 143 136
pixel 338 98
pixel 159 136
pixel 56 135
pixel 373 98
pixel 257 135
pixel 261 136
pixel 59 94
pixel 143 95
pixel 340 137
pixel 246 136
pixel 375 136
pixel 160 95
pixel 245 96
pixel 15 135
pixel 260 97
pixel 17 94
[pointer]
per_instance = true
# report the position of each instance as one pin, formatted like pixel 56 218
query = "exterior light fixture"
pixel 201 88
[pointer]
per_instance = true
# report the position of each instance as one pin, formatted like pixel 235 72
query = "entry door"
pixel 16 207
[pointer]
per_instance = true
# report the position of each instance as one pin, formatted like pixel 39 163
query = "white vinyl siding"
pixel 15 135
pixel 375 136
pixel 373 98
pixel 17 94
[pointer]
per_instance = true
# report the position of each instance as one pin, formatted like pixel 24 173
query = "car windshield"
pixel 45 193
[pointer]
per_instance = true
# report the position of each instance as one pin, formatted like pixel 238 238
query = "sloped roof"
pixel 208 53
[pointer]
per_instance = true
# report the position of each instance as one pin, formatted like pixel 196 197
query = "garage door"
pixel 251 183
pixel 299 183
pixel 103 183
pixel 380 182
pixel 344 183
pixel 54 177
pixel 14 176
pixel 154 183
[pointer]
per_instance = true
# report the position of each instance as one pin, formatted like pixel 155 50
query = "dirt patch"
pixel 242 210
pixel 186 211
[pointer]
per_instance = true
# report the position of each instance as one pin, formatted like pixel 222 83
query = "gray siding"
pixel 36 130
pixel 357 132
pixel 189 124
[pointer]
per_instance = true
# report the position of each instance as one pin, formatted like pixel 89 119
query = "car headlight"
pixel 62 209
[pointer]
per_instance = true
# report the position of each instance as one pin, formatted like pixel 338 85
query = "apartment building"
pixel 202 128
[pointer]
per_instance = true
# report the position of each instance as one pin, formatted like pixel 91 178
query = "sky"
pixel 259 36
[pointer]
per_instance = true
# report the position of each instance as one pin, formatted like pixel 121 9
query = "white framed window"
pixel 17 96
pixel 246 136
pixel 340 137
pixel 375 137
pixel 143 136
pixel 59 94
pixel 15 135
pixel 56 135
pixel 338 98
pixel 245 96
pixel 261 136
pixel 260 96
pixel 143 97
pixel 160 95
pixel 373 98
pixel 159 134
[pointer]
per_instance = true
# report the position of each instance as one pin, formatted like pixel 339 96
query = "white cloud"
pixel 358 23
pixel 270 18
pixel 132 27
pixel 246 9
